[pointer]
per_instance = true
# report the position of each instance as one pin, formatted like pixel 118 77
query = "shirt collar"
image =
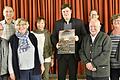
pixel 93 37
pixel 4 22
pixel 69 21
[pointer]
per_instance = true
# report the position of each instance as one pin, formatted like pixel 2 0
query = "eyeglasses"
pixel 116 21
pixel 20 24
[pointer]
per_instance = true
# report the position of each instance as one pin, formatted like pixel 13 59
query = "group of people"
pixel 100 52
pixel 24 54
pixel 28 55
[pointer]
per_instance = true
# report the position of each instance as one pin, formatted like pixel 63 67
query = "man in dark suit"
pixel 68 61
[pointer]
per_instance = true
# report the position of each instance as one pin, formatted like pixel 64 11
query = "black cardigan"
pixel 14 46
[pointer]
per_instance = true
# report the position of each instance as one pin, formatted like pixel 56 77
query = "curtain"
pixel 51 11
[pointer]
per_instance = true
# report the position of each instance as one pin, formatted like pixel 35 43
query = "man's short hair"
pixel 66 5
pixel 93 13
pixel 6 7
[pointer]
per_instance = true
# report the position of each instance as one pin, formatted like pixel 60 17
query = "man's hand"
pixel 90 67
pixel 57 45
pixel 76 38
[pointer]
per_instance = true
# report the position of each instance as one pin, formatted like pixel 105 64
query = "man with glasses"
pixel 95 52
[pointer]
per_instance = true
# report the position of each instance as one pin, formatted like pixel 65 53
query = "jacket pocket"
pixel 103 65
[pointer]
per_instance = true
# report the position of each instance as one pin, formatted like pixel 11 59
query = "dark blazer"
pixel 14 46
pixel 80 31
pixel 99 52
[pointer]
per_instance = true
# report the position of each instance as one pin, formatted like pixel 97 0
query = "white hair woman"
pixel 23 61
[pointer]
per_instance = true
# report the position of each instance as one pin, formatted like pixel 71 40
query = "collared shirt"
pixel 93 37
pixel 8 29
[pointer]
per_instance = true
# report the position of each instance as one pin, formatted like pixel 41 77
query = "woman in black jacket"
pixel 23 61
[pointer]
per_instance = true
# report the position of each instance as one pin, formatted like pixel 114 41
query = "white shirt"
pixel 41 40
pixel 93 37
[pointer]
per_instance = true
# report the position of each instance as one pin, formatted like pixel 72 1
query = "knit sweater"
pixel 47 49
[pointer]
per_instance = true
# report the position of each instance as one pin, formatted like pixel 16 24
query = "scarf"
pixel 39 31
pixel 23 41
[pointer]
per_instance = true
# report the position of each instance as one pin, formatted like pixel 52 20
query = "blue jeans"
pixel 27 75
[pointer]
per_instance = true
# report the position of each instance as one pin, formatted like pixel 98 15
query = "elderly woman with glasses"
pixel 23 61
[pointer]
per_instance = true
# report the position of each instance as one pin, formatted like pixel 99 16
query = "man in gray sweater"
pixel 95 52
pixel 3 56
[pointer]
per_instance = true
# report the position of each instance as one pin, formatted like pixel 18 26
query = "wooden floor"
pixel 54 77
pixel 66 79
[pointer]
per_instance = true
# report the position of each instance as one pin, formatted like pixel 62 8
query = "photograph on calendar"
pixel 67 41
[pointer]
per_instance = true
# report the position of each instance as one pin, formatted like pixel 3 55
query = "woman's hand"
pixel 42 68
pixel 52 62
pixel 12 76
